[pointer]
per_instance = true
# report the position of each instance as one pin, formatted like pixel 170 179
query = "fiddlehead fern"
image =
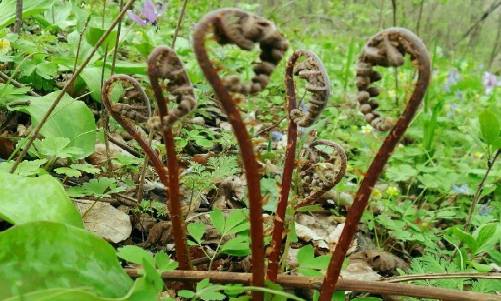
pixel 163 63
pixel 243 29
pixel 126 117
pixel 318 84
pixel 321 171
pixel 386 48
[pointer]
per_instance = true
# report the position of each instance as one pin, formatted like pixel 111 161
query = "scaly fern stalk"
pixel 387 49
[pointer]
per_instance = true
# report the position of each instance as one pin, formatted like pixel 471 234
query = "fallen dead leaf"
pixel 105 220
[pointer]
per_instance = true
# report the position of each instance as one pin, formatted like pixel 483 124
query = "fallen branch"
pixel 431 276
pixel 375 287
pixel 6 79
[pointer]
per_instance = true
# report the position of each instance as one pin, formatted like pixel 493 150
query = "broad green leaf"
pixel 238 246
pixel 236 221
pixel 305 254
pixel 26 168
pixel 217 219
pixel 149 286
pixel 24 200
pixel 30 8
pixel 88 168
pixel 196 231
pixel 465 238
pixel 69 172
pixel 71 119
pixel 53 147
pixel 485 236
pixel 186 294
pixel 489 126
pixel 92 78
pixel 135 254
pixel 44 255
pixel 202 284
pixel 62 294
pixel 164 263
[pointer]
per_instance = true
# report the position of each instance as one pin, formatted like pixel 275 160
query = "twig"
pixel 117 42
pixel 484 16
pixel 68 84
pixel 375 287
pixel 219 22
pixel 124 146
pixel 476 197
pixel 417 50
pixel 15 83
pixel 179 22
pixel 458 275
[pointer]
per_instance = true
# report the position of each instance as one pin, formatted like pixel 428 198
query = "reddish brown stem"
pixel 289 164
pixel 223 24
pixel 316 75
pixel 174 196
pixel 415 47
pixel 127 124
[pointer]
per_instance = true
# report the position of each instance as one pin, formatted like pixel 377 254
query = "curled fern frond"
pixel 234 26
pixel 318 85
pixel 165 65
pixel 387 49
pixel 134 104
pixel 321 171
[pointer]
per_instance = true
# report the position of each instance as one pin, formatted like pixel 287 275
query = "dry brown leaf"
pixel 105 220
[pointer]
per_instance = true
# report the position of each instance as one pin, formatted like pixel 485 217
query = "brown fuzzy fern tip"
pixel 387 49
pixel 245 29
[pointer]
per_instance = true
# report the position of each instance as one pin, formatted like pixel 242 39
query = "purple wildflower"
pixel 463 189
pixel 276 136
pixel 150 13
pixel 452 110
pixel 490 82
pixel 452 79
pixel 485 209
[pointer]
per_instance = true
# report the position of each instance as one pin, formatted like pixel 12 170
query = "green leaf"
pixel 96 187
pixel 88 168
pixel 202 284
pixel 69 172
pixel 71 119
pixel 485 236
pixel 489 126
pixel 236 221
pixel 238 246
pixel 53 147
pixel 43 255
pixel 26 168
pixel 186 294
pixel 135 254
pixel 305 254
pixel 196 231
pixel 30 8
pixel 212 295
pixel 92 78
pixel 149 286
pixel 24 200
pixel 61 294
pixel 217 219
pixel 164 263
pixel 465 238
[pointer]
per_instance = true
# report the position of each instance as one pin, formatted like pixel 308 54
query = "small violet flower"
pixel 149 14
pixel 452 79
pixel 276 136
pixel 461 189
pixel 490 82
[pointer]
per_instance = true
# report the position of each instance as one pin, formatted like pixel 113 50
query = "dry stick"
pixel 179 22
pixel 476 197
pixel 484 16
pixel 80 39
pixel 124 146
pixel 174 195
pixel 15 83
pixel 419 53
pixel 19 16
pixel 290 154
pixel 458 275
pixel 115 50
pixel 68 84
pixel 375 287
